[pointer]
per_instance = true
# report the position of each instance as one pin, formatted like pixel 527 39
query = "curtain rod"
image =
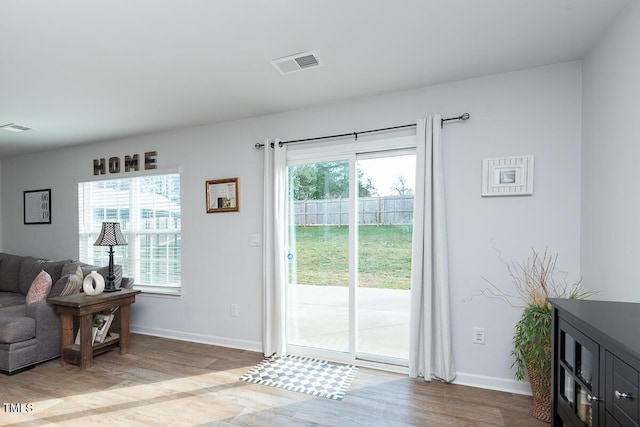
pixel 463 117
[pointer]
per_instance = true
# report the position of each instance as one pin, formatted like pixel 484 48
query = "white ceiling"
pixel 80 71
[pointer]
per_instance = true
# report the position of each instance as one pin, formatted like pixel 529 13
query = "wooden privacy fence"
pixel 386 210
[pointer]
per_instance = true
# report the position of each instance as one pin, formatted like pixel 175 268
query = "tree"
pixel 401 187
pixel 303 182
pixel 366 188
pixel 326 180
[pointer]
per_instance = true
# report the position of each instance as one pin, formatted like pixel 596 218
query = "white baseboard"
pixel 472 380
pixel 199 338
pixel 493 383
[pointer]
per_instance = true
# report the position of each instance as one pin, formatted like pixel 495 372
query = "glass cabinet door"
pixel 577 372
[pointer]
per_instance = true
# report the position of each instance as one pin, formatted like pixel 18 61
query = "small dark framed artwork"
pixel 37 206
pixel 223 195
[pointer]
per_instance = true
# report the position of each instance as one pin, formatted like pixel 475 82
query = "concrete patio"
pixel 319 317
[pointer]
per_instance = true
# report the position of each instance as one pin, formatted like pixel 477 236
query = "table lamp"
pixel 111 236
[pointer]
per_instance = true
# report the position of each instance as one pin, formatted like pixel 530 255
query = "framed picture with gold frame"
pixel 223 195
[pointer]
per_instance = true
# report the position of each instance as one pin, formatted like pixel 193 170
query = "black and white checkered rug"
pixel 303 374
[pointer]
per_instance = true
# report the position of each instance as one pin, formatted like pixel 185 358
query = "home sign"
pixel 128 163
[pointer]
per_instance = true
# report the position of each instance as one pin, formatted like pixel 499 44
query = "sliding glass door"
pixel 349 255
pixel 385 226
pixel 318 254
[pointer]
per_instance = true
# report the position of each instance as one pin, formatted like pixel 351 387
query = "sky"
pixel 384 172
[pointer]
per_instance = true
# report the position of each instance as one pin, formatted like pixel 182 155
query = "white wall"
pixel 533 111
pixel 611 150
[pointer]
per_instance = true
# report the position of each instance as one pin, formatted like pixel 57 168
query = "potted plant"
pixel 535 279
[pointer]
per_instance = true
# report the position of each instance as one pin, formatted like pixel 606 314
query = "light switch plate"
pixel 255 240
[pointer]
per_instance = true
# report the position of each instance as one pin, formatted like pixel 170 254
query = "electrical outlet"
pixel 234 310
pixel 478 335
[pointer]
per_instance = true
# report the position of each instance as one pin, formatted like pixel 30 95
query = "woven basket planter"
pixel 541 407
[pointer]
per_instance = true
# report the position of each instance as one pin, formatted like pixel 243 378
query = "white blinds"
pixel 148 210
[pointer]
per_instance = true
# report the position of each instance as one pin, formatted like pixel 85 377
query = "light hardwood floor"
pixel 165 382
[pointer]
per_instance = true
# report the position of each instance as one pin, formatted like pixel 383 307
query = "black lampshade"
pixel 110 235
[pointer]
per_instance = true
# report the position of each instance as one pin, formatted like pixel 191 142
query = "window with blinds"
pixel 148 210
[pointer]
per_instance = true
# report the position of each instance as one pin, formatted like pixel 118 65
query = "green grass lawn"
pixel 321 256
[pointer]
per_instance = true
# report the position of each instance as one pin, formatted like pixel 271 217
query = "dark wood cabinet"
pixel 596 363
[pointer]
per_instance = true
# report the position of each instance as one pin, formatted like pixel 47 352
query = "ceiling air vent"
pixel 297 62
pixel 13 127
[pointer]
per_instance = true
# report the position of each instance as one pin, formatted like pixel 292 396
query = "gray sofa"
pixel 30 333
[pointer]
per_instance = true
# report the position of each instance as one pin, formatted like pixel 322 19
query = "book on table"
pixel 94 331
pixel 102 322
pixel 100 328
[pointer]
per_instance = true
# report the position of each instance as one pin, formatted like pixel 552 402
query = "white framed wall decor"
pixel 507 176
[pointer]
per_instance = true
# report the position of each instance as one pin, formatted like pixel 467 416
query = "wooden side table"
pixel 85 306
